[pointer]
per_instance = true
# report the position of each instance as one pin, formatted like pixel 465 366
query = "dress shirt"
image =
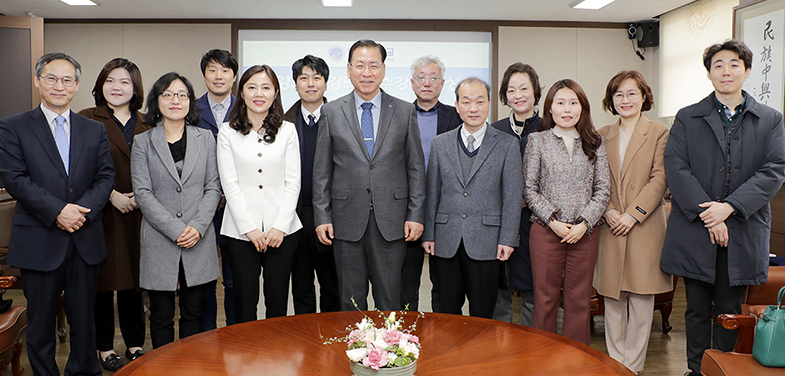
pixel 375 110
pixel 478 136
pixel 219 116
pixel 316 114
pixel 50 119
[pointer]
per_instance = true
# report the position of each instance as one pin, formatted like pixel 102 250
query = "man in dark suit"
pixel 368 182
pixel 433 118
pixel 219 69
pixel 310 76
pixel 475 191
pixel 57 165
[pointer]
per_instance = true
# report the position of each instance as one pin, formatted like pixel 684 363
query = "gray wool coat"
pixel 170 202
pixel 695 169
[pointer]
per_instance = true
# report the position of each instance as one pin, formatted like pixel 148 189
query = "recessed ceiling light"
pixel 591 4
pixel 79 2
pixel 337 3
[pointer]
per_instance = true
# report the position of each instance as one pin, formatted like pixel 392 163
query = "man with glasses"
pixel 368 183
pixel 57 165
pixel 433 117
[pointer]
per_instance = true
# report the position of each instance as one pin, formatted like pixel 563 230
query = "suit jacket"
pixel 35 175
pixel 632 263
pixel 208 121
pixel 483 209
pixel 261 193
pixel 447 119
pixel 695 168
pixel 120 268
pixel 170 202
pixel 345 178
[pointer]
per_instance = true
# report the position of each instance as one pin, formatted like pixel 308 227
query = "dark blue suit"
pixel 210 301
pixel 53 260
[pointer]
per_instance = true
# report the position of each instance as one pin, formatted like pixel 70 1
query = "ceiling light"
pixel 591 4
pixel 79 2
pixel 337 3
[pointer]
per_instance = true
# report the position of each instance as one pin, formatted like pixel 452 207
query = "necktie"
pixel 311 123
pixel 366 124
pixel 62 141
pixel 470 140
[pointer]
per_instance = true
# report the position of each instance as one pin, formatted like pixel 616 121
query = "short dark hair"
pixel 48 58
pixel 238 116
pixel 520 68
pixel 367 43
pixel 137 99
pixel 617 80
pixel 472 80
pixel 223 57
pixel 732 45
pixel 316 63
pixel 154 115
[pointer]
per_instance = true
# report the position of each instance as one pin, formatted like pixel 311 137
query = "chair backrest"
pixel 7 206
pixel 766 294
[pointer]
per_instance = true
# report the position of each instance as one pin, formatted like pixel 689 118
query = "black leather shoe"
pixel 112 363
pixel 134 355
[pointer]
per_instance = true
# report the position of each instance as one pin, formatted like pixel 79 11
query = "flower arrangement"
pixel 387 346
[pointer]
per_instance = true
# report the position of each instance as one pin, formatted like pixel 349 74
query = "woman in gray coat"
pixel 175 180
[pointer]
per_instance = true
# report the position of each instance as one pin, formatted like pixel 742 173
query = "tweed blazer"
pixel 568 188
pixel 261 181
pixel 632 263
pixel 483 208
pixel 170 202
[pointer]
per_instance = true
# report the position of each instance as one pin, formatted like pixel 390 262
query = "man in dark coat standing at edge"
pixel 57 165
pixel 310 78
pixel 724 160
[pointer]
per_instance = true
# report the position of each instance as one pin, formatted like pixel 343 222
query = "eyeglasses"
pixel 168 95
pixel 360 67
pixel 618 97
pixel 51 80
pixel 433 79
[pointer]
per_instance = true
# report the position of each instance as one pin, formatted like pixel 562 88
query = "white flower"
pixel 409 348
pixel 364 324
pixel 357 355
pixel 379 342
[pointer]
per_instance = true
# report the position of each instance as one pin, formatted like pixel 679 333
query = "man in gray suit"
pixel 474 195
pixel 368 182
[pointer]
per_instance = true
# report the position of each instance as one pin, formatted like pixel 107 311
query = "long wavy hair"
pixel 238 117
pixel 590 139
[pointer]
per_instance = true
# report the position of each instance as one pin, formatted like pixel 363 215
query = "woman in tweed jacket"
pixel 567 186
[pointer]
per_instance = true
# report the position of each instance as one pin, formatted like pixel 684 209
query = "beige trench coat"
pixel 631 263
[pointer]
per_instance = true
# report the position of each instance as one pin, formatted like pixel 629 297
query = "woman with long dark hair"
pixel 259 165
pixel 567 186
pixel 119 94
pixel 175 180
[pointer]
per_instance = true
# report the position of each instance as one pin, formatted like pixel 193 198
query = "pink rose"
pixel 392 336
pixel 376 358
pixel 354 336
pixel 413 338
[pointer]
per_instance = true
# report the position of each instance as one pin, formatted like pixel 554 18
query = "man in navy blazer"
pixel 219 69
pixel 57 165
pixel 433 118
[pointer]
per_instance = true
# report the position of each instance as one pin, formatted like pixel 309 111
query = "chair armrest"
pixel 746 330
pixel 7 281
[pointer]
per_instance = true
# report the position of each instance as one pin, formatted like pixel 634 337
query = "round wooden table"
pixel 451 345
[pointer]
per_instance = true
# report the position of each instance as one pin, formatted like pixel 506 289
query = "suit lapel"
pixel 114 133
pixel 386 114
pixel 158 139
pixel 443 119
pixel 193 152
pixel 636 141
pixel 77 140
pixel 488 143
pixel 44 134
pixel 350 112
pixel 612 147
pixel 455 157
pixel 207 113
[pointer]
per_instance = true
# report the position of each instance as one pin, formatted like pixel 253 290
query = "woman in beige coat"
pixel 628 271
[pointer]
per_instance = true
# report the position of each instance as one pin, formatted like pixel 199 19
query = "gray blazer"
pixel 169 203
pixel 345 178
pixel 484 209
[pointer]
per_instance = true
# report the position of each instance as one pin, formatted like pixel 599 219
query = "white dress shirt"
pixel 50 119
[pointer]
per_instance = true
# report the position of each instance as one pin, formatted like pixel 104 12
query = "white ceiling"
pixel 496 10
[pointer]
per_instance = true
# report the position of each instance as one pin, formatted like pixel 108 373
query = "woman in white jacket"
pixel 259 166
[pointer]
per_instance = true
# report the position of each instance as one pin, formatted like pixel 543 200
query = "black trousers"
pixel 247 265
pixel 309 256
pixel 79 281
pixel 130 314
pixel 191 302
pixel 461 277
pixel 411 275
pixel 701 298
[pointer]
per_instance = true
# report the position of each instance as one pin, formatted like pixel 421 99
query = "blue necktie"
pixel 62 141
pixel 366 124
pixel 311 123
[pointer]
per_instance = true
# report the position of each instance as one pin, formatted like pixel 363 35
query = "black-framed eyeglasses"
pixel 51 80
pixel 168 95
